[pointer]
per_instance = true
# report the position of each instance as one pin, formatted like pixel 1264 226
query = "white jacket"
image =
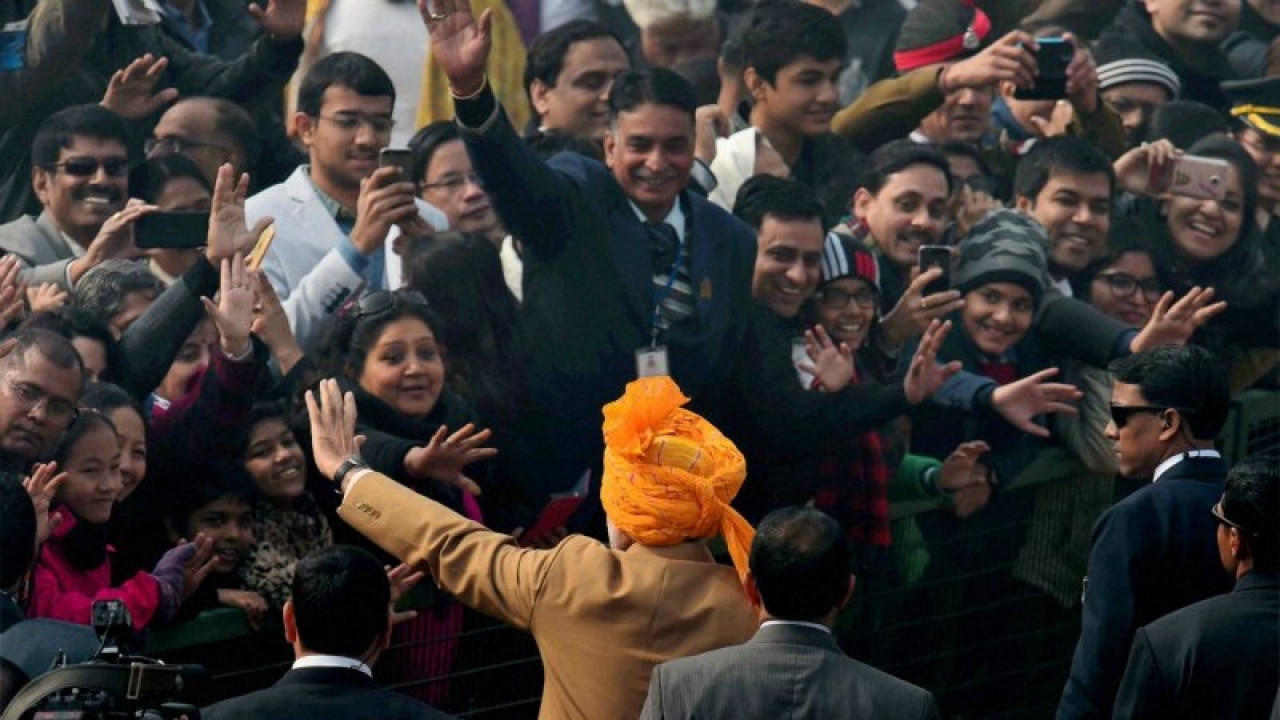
pixel 304 264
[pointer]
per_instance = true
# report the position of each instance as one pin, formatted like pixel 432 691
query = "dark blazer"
pixel 1154 552
pixel 784 671
pixel 323 694
pixel 1218 658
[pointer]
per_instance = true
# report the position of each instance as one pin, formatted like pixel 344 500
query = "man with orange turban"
pixel 603 617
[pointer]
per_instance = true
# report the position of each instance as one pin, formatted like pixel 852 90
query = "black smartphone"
pixel 183 229
pixel 397 157
pixel 936 256
pixel 1052 58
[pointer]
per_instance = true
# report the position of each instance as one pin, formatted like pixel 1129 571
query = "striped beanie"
pixel 1122 61
pixel 843 256
pixel 937 31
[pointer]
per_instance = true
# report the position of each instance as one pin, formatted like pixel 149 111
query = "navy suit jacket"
pixel 1218 658
pixel 784 671
pixel 323 693
pixel 1154 552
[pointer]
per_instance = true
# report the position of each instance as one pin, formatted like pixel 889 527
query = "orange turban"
pixel 669 475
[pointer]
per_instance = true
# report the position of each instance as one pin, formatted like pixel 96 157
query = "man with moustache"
pixel 80 173
pixel 1155 551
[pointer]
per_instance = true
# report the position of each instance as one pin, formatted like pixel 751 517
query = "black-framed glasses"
pixel 59 412
pixel 454 183
pixel 1120 414
pixel 88 166
pixel 837 299
pixel 1218 515
pixel 1124 285
pixel 380 302
pixel 351 121
pixel 174 145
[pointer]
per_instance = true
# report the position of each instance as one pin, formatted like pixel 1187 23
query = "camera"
pixel 112 685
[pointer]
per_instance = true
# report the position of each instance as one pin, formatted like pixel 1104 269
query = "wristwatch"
pixel 353 462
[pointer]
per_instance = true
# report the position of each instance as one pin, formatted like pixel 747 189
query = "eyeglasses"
pixel 350 122
pixel 380 302
pixel 60 412
pixel 175 145
pixel 1120 414
pixel 453 184
pixel 1216 511
pixel 837 299
pixel 88 167
pixel 1124 285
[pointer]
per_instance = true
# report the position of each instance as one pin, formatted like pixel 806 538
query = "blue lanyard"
pixel 660 296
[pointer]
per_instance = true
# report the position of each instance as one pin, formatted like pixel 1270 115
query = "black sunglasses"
pixel 379 302
pixel 87 166
pixel 1120 414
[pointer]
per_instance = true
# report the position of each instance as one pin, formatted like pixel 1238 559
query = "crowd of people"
pixel 286 277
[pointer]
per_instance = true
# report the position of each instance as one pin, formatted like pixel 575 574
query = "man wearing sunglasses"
pixel 80 173
pixel 1153 552
pixel 1219 657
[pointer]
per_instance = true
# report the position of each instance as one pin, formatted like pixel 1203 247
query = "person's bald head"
pixel 209 131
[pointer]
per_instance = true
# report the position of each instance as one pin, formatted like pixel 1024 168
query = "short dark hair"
pixel 800 562
pixel 1181 376
pixel 107 397
pixel 1252 501
pixel 343 69
pixel 207 480
pixel 341 598
pixel 1066 154
pixel 656 86
pixel 426 142
pixel 764 196
pixel 894 157
pixel 54 348
pixel 74 322
pixel 1128 235
pixel 782 32
pixel 353 335
pixel 148 180
pixel 59 129
pixel 236 123
pixel 102 290
pixel 545 58
pixel 1184 123
pixel 17 532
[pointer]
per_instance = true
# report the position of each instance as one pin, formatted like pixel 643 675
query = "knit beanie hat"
pixel 1005 246
pixel 843 256
pixel 940 30
pixel 1122 60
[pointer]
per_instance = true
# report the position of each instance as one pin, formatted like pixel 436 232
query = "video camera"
pixel 112 685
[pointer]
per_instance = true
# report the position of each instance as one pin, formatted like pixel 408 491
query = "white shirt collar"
pixel 1163 467
pixel 331 661
pixel 675 218
pixel 801 623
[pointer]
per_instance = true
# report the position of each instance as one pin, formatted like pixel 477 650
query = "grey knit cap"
pixel 1005 246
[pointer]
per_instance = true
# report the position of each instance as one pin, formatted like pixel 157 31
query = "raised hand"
pixel 961 469
pixel 1173 323
pixel 233 313
pixel 915 311
pixel 1057 123
pixel 45 297
pixel 1009 59
pixel 402 578
pixel 228 233
pixel 198 566
pixel 42 485
pixel 1135 168
pixel 272 325
pixel 1021 401
pixel 709 125
pixel 130 91
pixel 385 199
pixel 830 364
pixel 282 19
pixel 12 290
pixel 926 375
pixel 333 426
pixel 1082 77
pixel 459 42
pixel 446 454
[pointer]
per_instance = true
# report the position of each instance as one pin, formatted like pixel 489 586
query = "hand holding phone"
pixel 936 256
pixel 179 229
pixel 1190 176
pixel 401 158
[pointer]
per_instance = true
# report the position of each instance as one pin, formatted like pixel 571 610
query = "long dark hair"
pixel 358 326
pixel 460 274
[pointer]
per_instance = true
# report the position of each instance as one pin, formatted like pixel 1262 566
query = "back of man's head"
pixel 1184 377
pixel 350 70
pixel 237 125
pixel 17 531
pixel 657 86
pixel 1251 501
pixel 780 32
pixel 340 598
pixel 1067 155
pixel 800 564
pixel 59 129
pixel 782 199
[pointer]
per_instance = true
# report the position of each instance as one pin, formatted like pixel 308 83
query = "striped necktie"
pixel 677 302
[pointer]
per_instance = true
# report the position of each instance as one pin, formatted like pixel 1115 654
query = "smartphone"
pixel 1191 176
pixel 397 157
pixel 558 511
pixel 183 229
pixel 1052 58
pixel 936 256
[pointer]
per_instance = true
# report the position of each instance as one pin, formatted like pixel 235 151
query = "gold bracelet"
pixel 484 83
